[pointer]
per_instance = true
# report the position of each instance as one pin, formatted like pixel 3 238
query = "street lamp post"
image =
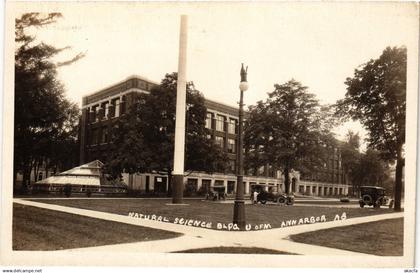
pixel 239 206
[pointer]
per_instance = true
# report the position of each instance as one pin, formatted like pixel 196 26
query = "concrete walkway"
pixel 194 237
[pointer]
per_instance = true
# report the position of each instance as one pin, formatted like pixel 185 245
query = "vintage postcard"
pixel 222 134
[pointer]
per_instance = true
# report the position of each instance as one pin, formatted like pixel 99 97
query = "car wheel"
pixel 281 200
pixel 367 199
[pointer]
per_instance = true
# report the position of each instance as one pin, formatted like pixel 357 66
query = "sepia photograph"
pixel 223 134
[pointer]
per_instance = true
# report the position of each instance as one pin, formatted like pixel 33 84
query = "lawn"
pixel 384 238
pixel 212 211
pixel 42 229
pixel 234 250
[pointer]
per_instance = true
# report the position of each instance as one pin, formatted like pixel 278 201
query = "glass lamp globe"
pixel 243 86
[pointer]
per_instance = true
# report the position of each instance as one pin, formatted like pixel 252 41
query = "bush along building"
pixel 101 109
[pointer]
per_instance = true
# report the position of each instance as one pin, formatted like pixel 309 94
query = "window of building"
pixel 94 139
pixel 208 120
pixel 232 166
pixel 192 184
pixel 220 123
pixel 260 170
pixel 100 113
pixel 117 108
pixel 104 135
pixel 232 126
pixel 301 189
pixel 106 107
pixel 231 187
pixel 97 113
pixel 231 145
pixel 205 184
pixel 220 141
pixel 92 114
pixel 122 105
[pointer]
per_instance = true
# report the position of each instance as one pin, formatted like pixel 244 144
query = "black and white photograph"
pixel 211 134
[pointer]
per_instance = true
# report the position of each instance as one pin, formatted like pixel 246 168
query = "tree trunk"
pixel 398 181
pixel 286 180
pixel 26 179
pixel 36 170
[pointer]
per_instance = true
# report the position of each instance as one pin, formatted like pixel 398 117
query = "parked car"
pixel 374 196
pixel 276 197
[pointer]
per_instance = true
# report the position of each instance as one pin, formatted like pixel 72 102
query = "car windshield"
pixel 372 191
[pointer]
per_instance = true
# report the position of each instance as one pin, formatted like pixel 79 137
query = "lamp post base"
pixel 239 213
pixel 177 188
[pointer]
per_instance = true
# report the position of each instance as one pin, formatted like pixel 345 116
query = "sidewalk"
pixel 201 238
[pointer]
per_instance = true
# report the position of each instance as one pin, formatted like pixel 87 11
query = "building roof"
pixel 122 86
pixel 120 82
pixel 86 174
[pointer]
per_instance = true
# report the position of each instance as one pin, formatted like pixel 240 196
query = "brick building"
pixel 102 108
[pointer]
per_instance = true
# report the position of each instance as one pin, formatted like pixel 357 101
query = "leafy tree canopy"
pixel 44 118
pixel 376 96
pixel 287 131
pixel 143 139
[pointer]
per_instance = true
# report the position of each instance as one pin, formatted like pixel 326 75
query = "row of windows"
pixel 231 144
pixel 220 123
pixel 321 190
pixel 324 177
pixel 106 110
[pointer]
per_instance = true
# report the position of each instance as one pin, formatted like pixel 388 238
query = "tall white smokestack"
pixel 179 150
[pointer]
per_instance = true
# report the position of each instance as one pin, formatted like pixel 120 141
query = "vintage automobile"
pixel 374 196
pixel 280 198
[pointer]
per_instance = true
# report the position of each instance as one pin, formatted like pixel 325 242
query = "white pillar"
pixel 246 187
pixel 181 100
pixel 179 147
pixel 199 182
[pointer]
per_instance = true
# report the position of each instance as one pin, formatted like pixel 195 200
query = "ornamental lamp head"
pixel 243 73
pixel 243 85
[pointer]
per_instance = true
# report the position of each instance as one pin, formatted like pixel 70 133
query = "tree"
pixel 372 170
pixel 44 118
pixel 350 157
pixel 143 139
pixel 376 96
pixel 286 131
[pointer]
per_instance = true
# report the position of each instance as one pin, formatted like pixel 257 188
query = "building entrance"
pixel 160 184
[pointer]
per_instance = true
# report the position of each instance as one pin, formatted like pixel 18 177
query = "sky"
pixel 319 44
